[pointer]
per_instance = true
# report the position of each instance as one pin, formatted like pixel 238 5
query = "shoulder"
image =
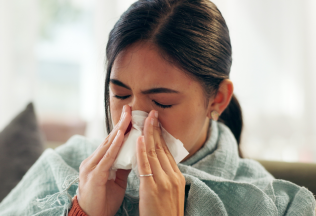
pixel 250 170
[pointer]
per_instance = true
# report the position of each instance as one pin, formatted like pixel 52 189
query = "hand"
pixel 98 195
pixel 163 193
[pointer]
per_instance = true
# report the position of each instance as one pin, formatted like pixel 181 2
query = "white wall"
pixel 18 36
pixel 274 69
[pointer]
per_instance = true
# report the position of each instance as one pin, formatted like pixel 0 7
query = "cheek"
pixel 116 110
pixel 185 124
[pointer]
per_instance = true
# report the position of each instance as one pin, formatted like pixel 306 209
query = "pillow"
pixel 21 144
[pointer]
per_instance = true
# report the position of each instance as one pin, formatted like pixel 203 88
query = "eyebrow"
pixel 119 83
pixel 149 91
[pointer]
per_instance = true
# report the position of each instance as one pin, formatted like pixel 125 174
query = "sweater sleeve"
pixel 76 209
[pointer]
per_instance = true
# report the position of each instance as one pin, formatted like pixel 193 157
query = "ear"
pixel 222 98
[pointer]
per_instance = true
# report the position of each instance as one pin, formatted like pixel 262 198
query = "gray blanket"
pixel 218 182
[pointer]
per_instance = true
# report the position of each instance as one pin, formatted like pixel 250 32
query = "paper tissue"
pixel 127 158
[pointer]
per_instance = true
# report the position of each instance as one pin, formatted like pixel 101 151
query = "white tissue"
pixel 127 158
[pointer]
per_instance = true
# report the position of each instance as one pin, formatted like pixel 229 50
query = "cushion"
pixel 21 144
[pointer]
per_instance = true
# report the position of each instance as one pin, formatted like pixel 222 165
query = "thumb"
pixel 121 177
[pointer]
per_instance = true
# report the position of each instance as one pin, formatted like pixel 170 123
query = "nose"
pixel 140 104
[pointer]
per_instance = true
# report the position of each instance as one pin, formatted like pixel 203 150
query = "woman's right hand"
pixel 98 195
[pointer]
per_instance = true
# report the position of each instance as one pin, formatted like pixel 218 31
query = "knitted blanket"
pixel 218 182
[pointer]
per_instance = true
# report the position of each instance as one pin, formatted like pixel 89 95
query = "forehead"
pixel 142 64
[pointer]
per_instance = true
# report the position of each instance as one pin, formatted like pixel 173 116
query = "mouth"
pixel 128 128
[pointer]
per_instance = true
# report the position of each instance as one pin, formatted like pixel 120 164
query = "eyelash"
pixel 121 97
pixel 158 104
pixel 161 105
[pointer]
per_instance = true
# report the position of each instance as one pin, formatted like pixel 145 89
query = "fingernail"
pixel 156 114
pixel 143 139
pixel 152 121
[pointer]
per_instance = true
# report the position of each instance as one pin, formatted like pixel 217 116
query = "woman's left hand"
pixel 163 193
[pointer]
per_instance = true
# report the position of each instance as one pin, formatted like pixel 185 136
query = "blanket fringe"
pixel 61 198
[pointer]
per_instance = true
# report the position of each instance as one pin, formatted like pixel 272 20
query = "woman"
pixel 172 59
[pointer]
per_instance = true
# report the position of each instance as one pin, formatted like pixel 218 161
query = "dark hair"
pixel 192 33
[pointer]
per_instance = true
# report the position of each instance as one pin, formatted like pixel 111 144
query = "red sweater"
pixel 76 209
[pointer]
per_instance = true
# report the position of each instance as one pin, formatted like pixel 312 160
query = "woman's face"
pixel 142 79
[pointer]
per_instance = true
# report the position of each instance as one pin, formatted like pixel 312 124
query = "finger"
pixel 108 159
pixel 122 124
pixel 102 149
pixel 150 147
pixel 159 143
pixel 107 140
pixel 144 167
pixel 97 149
pixel 170 157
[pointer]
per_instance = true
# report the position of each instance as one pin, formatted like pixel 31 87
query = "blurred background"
pixel 52 52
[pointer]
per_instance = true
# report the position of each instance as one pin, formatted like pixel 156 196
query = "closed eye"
pixel 121 97
pixel 156 103
pixel 161 105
